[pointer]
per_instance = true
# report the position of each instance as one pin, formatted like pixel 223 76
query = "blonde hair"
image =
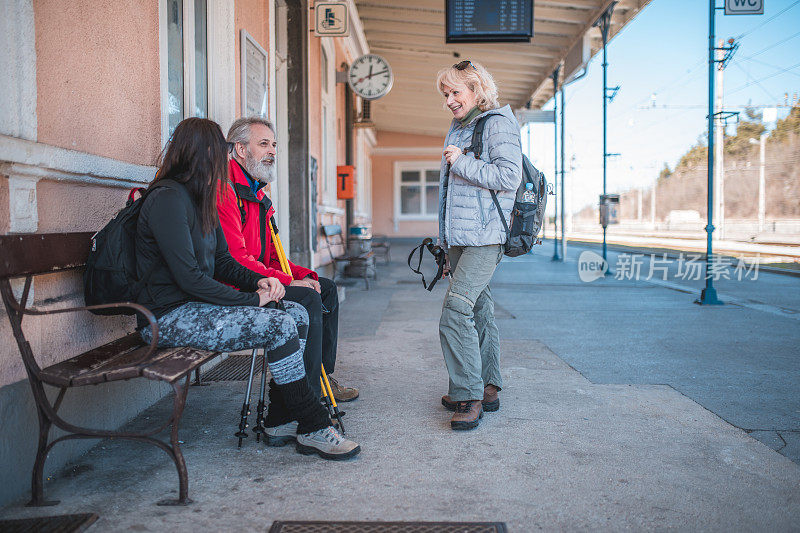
pixel 476 78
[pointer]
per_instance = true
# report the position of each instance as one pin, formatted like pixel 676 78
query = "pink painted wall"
pixel 5 214
pixel 98 88
pixel 383 183
pixel 64 207
pixel 322 257
pixel 253 17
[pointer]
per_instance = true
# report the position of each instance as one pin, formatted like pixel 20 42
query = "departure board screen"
pixel 482 21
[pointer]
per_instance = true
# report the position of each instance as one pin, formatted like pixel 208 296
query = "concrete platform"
pixel 563 453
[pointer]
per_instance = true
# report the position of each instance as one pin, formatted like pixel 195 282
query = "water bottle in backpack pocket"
pixel 528 212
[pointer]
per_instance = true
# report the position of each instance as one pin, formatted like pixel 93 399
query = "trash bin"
pixel 609 209
pixel 359 240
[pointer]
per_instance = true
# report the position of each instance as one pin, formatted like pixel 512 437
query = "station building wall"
pixel 83 118
pixel 395 152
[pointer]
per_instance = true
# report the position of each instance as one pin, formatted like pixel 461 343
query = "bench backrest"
pixel 42 253
pixel 331 230
pixel 333 237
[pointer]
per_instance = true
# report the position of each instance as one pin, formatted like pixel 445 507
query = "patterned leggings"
pixel 230 329
pixel 282 334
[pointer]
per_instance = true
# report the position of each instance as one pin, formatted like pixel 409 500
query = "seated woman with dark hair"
pixel 182 253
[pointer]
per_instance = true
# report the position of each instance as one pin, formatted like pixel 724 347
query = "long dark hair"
pixel 196 156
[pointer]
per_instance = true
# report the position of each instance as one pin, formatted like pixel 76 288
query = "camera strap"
pixel 417 270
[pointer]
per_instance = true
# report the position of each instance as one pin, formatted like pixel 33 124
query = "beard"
pixel 262 170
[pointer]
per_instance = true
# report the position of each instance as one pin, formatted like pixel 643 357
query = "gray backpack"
pixel 526 217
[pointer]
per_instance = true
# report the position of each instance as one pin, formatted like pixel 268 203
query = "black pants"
pixel 323 328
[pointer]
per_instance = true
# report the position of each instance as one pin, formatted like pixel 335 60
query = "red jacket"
pixel 250 242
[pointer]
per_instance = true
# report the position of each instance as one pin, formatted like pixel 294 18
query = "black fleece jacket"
pixel 187 265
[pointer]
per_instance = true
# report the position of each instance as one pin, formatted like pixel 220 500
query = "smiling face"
pixel 459 98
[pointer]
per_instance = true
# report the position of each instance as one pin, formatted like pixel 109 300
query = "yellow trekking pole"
pixel 276 241
pixel 326 387
pixel 327 392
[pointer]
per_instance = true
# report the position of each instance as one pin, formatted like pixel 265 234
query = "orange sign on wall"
pixel 345 182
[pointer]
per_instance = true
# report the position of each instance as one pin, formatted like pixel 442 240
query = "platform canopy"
pixel 410 34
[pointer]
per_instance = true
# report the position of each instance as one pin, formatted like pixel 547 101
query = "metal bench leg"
pixel 242 433
pixel 175 446
pixel 37 476
pixel 198 380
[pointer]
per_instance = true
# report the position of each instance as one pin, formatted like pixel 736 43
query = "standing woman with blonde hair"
pixel 472 233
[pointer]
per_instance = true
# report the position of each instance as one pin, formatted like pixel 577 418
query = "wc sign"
pixel 331 19
pixel 744 7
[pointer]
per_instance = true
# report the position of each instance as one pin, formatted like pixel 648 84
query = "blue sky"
pixel 663 52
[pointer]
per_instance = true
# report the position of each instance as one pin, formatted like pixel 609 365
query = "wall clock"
pixel 370 77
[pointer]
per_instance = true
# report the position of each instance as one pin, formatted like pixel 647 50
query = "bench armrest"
pixel 129 305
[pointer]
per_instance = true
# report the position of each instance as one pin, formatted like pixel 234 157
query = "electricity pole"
pixel 718 57
pixel 639 194
pixel 653 204
pixel 719 132
pixel 555 162
pixel 762 184
pixel 605 23
pixel 563 195
pixel 708 296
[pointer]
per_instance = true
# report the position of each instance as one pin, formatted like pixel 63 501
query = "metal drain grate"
pixel 234 368
pixel 387 527
pixel 66 523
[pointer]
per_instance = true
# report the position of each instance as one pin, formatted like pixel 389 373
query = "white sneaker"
pixel 281 435
pixel 328 444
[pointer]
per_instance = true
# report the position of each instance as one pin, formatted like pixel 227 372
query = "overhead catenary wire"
pixel 796 65
pixel 746 58
pixel 751 78
pixel 773 45
pixel 773 17
pixel 669 90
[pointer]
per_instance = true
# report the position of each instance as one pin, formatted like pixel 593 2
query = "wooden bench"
pixel 25 256
pixel 360 264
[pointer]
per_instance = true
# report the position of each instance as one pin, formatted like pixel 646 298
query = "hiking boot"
pixel 328 444
pixel 281 435
pixel 491 400
pixel 341 393
pixel 467 416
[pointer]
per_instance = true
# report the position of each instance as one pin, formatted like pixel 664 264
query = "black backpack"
pixel 110 275
pixel 526 218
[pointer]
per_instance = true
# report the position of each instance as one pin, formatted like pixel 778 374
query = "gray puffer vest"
pixel 468 216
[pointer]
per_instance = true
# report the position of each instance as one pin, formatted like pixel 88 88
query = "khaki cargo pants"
pixel 467 330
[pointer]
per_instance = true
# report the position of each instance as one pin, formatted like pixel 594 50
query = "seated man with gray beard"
pixel 244 214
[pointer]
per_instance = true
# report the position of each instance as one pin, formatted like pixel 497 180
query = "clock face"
pixel 370 77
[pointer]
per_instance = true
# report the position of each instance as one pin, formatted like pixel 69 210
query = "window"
pixel 417 190
pixel 324 64
pixel 175 62
pixel 200 59
pixel 328 124
pixel 364 141
pixel 186 61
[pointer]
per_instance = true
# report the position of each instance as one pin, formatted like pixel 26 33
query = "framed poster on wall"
pixel 254 77
pixel 312 177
